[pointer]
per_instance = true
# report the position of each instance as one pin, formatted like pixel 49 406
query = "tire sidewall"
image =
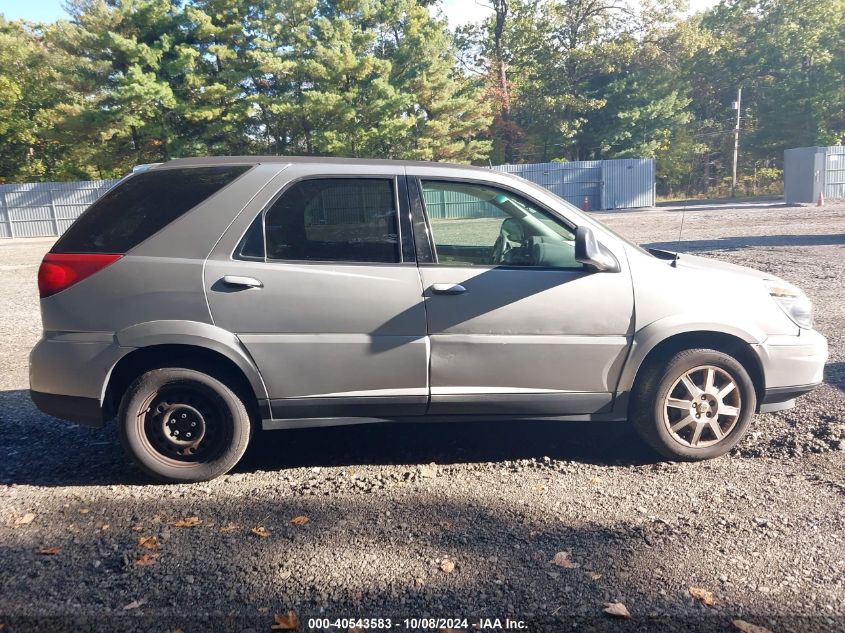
pixel 677 366
pixel 231 411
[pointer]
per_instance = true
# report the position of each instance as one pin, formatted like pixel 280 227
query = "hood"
pixel 695 262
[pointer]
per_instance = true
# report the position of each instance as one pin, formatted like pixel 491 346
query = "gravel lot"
pixel 446 521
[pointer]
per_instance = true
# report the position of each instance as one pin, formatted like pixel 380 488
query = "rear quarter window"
pixel 142 205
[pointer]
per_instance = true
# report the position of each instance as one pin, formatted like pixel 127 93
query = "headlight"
pixel 792 301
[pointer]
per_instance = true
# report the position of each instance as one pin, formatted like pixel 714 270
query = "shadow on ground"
pixel 40 450
pixel 502 567
pixel 737 243
pixel 834 374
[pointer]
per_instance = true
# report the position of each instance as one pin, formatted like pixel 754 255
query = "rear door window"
pixel 335 220
pixel 142 205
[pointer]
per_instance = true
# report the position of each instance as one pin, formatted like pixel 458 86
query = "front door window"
pixel 479 225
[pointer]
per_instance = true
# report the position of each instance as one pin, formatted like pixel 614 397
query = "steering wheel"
pixel 511 235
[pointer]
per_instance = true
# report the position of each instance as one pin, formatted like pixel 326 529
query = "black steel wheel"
pixel 182 425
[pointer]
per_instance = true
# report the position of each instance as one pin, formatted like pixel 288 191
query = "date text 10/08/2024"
pixel 422 624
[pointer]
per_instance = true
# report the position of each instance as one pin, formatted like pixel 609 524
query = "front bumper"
pixel 792 366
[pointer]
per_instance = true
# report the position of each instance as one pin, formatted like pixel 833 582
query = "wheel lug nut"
pixel 193 424
pixel 187 435
pixel 184 415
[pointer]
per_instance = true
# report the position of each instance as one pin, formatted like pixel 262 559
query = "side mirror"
pixel 589 252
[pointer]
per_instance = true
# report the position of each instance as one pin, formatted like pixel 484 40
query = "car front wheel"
pixel 697 405
pixel 182 425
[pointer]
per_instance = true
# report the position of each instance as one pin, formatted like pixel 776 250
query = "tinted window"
pixel 342 219
pixel 252 243
pixel 483 226
pixel 141 205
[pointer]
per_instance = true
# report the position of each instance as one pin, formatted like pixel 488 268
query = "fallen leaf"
pixel 419 581
pixel 617 610
pixel 300 520
pixel 702 594
pixel 187 522
pixel 25 519
pixel 135 604
pixel 84 510
pixel 562 559
pixel 594 576
pixel 105 526
pixel 747 627
pixel 177 631
pixel 149 542
pixel 261 531
pixel 231 527
pixel 447 566
pixel 148 559
pixel 287 622
pixel 264 610
pixel 49 551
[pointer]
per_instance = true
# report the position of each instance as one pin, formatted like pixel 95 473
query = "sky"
pixel 457 11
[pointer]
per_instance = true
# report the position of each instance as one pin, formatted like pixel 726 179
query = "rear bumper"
pixel 85 411
pixel 68 372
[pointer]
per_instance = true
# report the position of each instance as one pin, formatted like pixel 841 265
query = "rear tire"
pixel 697 405
pixel 182 425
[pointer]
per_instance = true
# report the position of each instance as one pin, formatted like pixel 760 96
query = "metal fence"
pixel 45 208
pixel 606 184
pixel 48 208
pixel 811 171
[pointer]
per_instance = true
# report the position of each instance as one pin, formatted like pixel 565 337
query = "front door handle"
pixel 448 289
pixel 243 282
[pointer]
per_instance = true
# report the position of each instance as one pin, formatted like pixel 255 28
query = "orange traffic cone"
pixel 820 201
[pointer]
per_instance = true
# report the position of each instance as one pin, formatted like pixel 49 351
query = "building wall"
pixel 809 171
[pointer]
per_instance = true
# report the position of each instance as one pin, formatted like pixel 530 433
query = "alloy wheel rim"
pixel 702 407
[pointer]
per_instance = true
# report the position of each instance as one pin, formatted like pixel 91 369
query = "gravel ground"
pixel 443 521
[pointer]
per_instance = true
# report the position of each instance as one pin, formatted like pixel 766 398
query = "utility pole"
pixel 738 107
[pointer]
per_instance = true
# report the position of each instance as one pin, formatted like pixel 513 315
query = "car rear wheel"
pixel 182 425
pixel 697 405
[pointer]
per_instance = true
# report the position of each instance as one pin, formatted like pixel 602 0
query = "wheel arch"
pixel 198 346
pixel 737 344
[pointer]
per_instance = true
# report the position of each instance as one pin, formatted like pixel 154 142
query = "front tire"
pixel 182 425
pixel 698 405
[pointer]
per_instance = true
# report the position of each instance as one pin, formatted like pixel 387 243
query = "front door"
pixel 516 324
pixel 322 294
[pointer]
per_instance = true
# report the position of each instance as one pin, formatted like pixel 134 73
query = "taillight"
pixel 61 270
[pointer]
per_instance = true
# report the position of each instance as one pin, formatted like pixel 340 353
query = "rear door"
pixel 319 281
pixel 516 324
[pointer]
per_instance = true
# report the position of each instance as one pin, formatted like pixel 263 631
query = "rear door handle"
pixel 448 289
pixel 243 282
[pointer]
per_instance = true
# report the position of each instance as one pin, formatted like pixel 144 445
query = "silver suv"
pixel 204 298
